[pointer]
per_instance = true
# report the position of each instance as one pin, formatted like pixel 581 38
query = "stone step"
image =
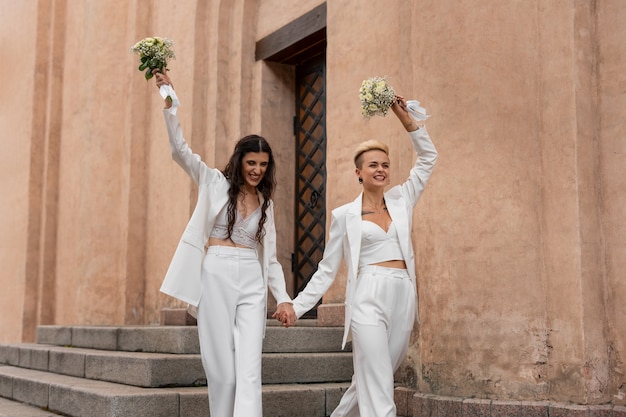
pixel 184 339
pixel 79 397
pixel 139 369
pixel 148 369
pixel 304 339
pixel 283 368
pixel 10 408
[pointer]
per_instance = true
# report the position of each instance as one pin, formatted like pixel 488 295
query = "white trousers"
pixel 382 321
pixel 231 316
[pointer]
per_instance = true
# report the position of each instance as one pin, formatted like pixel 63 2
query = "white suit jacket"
pixel 344 240
pixel 183 276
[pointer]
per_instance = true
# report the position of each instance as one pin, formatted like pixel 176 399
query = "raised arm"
pixel 399 108
pixel 181 152
pixel 162 78
pixel 414 186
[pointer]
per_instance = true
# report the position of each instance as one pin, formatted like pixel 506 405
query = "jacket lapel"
pixel 353 227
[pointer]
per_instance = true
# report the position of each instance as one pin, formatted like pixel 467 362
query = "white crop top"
pixel 244 230
pixel 378 246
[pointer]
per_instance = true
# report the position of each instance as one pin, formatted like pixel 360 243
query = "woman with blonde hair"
pixel 372 235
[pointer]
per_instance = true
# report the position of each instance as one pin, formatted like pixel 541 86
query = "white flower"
pixel 376 96
pixel 154 54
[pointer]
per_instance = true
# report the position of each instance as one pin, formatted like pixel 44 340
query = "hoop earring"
pixel 360 180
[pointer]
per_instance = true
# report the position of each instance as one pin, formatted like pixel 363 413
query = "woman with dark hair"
pixel 224 263
pixel 235 172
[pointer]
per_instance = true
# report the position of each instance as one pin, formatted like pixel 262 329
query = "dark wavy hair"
pixel 247 144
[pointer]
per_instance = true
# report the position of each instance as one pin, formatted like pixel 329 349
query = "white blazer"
pixel 183 276
pixel 344 240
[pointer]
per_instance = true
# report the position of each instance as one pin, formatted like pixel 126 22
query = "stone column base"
pixel 428 405
pixel 331 315
pixel 176 317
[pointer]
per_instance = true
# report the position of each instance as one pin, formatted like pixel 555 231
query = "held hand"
pixel 399 105
pixel 280 314
pixel 162 78
pixel 285 314
pixel 399 108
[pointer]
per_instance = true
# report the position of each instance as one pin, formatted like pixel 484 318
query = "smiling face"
pixel 374 169
pixel 253 167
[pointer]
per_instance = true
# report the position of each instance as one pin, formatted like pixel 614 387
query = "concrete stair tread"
pixel 156 371
pixel 158 339
pixel 142 369
pixel 75 396
pixel 10 408
pixel 148 369
pixel 184 339
pixel 82 397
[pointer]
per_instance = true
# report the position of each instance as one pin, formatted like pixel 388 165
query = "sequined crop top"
pixel 378 246
pixel 244 230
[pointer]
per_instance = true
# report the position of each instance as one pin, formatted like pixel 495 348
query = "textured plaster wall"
pixel 516 299
pixel 94 171
pixel 19 125
pixel 273 14
pixel 513 255
pixel 612 155
pixel 519 236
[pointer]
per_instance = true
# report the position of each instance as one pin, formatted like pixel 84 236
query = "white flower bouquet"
pixel 376 97
pixel 153 53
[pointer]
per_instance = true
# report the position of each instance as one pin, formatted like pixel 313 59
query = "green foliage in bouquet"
pixel 153 54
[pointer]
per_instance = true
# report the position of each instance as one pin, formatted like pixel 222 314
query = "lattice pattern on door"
pixel 310 190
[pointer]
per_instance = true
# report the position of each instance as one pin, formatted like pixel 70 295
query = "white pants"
pixel 382 321
pixel 231 317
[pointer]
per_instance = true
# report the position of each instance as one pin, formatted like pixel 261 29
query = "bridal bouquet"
pixel 153 53
pixel 376 97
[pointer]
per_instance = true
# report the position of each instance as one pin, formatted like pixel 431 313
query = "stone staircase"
pixel 155 371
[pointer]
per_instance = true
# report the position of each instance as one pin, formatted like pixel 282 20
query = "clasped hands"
pixel 285 314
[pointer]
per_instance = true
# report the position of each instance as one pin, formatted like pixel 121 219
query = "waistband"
pixel 383 270
pixel 232 251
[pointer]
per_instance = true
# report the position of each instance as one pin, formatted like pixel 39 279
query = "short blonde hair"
pixel 368 145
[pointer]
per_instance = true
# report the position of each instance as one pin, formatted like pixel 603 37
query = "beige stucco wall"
pixel 519 237
pixel 612 154
pixel 18 57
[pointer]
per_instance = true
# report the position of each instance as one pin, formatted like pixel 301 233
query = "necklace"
pixel 244 206
pixel 245 193
pixel 372 209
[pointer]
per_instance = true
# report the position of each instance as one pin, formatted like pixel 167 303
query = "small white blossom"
pixel 376 96
pixel 153 53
